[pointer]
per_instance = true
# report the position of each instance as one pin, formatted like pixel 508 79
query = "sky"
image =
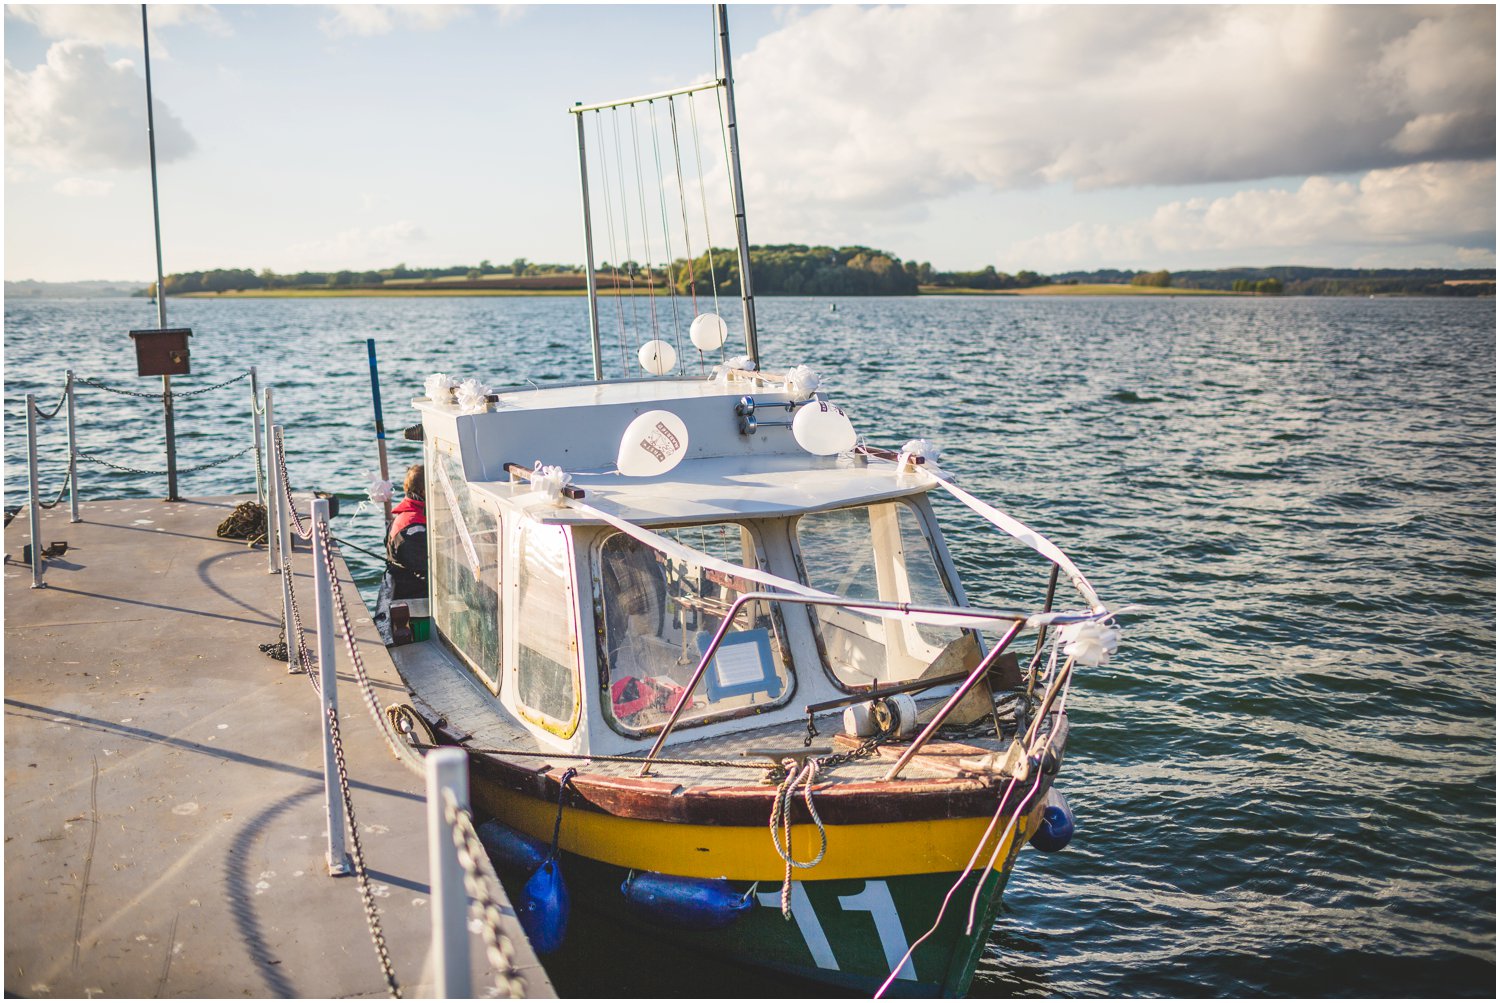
pixel 318 137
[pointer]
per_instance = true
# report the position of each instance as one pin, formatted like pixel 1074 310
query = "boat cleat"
pixel 1012 762
pixel 798 754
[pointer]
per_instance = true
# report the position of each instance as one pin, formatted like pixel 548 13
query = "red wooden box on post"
pixel 164 352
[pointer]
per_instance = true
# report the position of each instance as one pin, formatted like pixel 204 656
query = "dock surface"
pixel 164 818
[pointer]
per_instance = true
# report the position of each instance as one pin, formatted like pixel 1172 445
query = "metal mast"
pixel 161 293
pixel 588 246
pixel 747 293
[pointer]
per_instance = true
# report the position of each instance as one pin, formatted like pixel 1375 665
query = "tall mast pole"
pixel 161 295
pixel 747 292
pixel 588 249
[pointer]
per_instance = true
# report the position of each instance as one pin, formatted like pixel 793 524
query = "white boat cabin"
pixel 586 635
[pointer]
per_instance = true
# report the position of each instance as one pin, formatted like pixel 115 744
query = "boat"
pixel 718 678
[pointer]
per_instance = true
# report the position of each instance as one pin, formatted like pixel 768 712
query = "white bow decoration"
pixel 1089 643
pixel 471 396
pixel 722 372
pixel 438 386
pixel 915 448
pixel 802 383
pixel 380 490
pixel 551 481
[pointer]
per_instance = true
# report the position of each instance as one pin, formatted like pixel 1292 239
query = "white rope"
pixel 640 186
pixel 614 260
pixel 666 232
pixel 635 324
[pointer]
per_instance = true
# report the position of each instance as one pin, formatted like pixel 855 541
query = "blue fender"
pixel 1056 828
pixel 690 903
pixel 512 849
pixel 543 909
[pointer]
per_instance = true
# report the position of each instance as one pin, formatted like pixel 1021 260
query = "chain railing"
pixel 455 839
pixel 68 398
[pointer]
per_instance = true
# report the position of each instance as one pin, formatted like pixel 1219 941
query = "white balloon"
pixel 822 429
pixel 653 443
pixel 708 331
pixel 657 357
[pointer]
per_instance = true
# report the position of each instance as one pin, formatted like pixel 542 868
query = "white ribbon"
pixel 471 396
pixel 802 383
pixel 550 481
pixel 380 490
pixel 437 386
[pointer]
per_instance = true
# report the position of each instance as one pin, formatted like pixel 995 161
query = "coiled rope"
pixel 781 816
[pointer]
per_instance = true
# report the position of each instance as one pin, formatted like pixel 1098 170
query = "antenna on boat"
pixel 161 293
pixel 747 294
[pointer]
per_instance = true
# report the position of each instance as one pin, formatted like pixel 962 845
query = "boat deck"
pixel 164 825
pixel 470 713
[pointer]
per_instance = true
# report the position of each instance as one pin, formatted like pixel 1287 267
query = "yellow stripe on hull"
pixel 745 853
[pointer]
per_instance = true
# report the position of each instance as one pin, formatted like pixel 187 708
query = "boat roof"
pixel 726 473
pixel 718 489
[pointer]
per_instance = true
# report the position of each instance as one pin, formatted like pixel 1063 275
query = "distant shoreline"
pixel 1097 289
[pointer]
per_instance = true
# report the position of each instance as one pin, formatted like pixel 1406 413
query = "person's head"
pixel 414 485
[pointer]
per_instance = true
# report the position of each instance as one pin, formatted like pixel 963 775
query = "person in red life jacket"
pixel 406 546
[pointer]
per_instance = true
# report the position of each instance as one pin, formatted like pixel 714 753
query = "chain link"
pixel 299 527
pixel 181 470
pixel 158 395
pixel 49 415
pixel 115 390
pixel 483 887
pixel 217 386
pixel 67 479
pixel 372 915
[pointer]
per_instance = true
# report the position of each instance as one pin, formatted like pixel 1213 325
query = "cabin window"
pixel 547 655
pixel 659 615
pixel 877 552
pixel 464 559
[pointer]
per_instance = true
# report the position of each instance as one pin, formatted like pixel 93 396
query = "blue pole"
pixel 385 470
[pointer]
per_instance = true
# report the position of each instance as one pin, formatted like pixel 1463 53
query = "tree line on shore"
pixel 800 269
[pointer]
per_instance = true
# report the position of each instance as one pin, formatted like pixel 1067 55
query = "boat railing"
pixel 1017 621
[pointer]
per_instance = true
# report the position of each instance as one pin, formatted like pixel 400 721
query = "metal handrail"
pixel 706 85
pixel 1018 622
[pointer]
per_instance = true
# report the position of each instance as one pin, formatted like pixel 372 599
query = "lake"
pixel 1284 782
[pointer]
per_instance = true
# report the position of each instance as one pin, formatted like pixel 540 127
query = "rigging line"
pixel 713 278
pixel 640 190
pixel 687 236
pixel 635 325
pixel 614 260
pixel 666 231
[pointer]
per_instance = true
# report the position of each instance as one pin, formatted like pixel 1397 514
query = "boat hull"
pixel 847 927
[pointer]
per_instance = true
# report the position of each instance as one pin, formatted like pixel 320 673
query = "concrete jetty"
pixel 164 820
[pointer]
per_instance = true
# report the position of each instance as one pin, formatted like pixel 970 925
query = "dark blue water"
pixel 1285 783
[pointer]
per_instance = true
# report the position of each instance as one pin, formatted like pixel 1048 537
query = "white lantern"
pixel 657 357
pixel 708 331
pixel 653 443
pixel 822 429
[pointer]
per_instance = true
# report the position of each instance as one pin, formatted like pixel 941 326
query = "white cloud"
pixel 383 18
pixel 80 111
pixel 358 248
pixel 875 110
pixel 114 24
pixel 83 187
pixel 1447 204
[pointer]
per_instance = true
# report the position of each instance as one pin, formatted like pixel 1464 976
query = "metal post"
pixel 271 490
pixel 161 293
pixel 283 553
pixel 385 469
pixel 747 292
pixel 338 859
pixel 35 509
pixel 166 401
pixel 72 454
pixel 588 250
pixel 260 471
pixel 448 771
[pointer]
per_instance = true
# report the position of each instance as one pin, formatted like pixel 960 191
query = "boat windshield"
pixel 879 552
pixel 659 616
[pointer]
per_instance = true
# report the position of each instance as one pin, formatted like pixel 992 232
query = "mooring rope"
pixel 781 815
